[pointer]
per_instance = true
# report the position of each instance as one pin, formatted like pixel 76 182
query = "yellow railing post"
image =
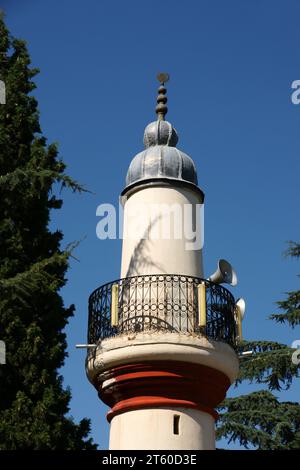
pixel 239 323
pixel 202 304
pixel 114 305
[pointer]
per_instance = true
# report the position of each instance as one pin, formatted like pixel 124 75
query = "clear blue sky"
pixel 231 65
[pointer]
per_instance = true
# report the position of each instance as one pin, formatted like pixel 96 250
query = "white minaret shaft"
pixel 158 371
pixel 159 221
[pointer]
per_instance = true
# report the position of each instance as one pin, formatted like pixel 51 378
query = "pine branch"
pixel 44 177
pixel 260 420
pixel 293 250
pixel 36 276
pixel 269 364
pixel 291 306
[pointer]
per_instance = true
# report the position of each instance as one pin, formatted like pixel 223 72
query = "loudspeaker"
pixel 225 274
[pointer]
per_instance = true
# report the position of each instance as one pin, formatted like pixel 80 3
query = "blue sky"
pixel 231 65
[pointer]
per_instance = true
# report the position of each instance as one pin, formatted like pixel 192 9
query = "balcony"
pixel 168 303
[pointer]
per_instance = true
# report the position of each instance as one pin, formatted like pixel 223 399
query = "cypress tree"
pixel 34 405
pixel 259 420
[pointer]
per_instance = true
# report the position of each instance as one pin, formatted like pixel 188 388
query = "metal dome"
pixel 160 133
pixel 161 159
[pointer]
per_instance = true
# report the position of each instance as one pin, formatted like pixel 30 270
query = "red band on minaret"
pixel 160 384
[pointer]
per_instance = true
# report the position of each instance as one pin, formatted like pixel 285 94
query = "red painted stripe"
pixel 138 403
pixel 162 383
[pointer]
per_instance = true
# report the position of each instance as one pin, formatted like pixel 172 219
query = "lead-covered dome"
pixel 161 159
pixel 160 133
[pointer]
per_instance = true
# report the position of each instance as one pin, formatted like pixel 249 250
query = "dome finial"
pixel 161 108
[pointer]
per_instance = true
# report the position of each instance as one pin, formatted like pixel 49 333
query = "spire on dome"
pixel 161 132
pixel 161 108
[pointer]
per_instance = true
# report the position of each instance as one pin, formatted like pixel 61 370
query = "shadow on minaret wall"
pixel 140 259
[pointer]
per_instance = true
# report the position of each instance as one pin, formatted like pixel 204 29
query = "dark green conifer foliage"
pixel 33 403
pixel 259 419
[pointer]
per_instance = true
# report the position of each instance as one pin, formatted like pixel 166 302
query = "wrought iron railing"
pixel 161 303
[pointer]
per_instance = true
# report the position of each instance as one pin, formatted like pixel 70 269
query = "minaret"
pixel 164 336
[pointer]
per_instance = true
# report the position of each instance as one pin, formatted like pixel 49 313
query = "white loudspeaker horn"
pixel 225 274
pixel 241 305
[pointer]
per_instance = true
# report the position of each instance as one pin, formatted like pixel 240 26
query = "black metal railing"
pixel 162 303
